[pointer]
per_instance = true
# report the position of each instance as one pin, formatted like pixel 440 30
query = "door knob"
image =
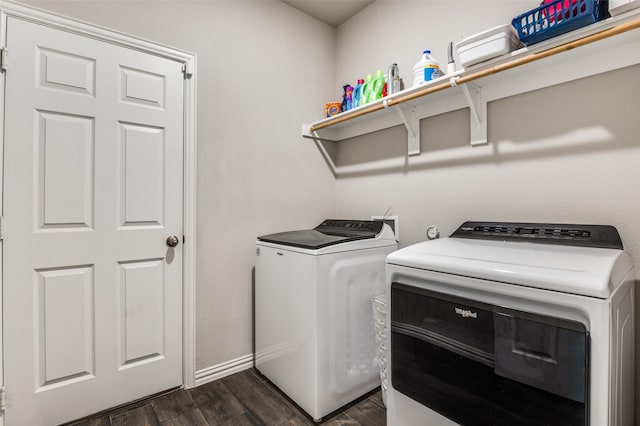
pixel 172 241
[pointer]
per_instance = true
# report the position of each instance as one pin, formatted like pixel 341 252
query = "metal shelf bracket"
pixel 412 124
pixel 328 134
pixel 478 113
pixel 313 135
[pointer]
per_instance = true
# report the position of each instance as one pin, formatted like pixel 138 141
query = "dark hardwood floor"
pixel 244 398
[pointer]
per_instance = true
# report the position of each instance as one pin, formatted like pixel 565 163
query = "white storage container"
pixel 487 45
pixel 616 7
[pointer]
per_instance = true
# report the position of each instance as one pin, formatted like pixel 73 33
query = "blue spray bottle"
pixel 357 94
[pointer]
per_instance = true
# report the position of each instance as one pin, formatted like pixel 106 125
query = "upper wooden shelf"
pixel 607 45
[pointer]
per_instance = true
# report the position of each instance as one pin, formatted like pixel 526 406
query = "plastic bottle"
pixel 451 65
pixel 378 85
pixel 367 90
pixel 393 79
pixel 357 94
pixel 426 69
pixel 347 98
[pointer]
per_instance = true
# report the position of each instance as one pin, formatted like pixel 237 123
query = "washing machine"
pixel 314 327
pixel 507 324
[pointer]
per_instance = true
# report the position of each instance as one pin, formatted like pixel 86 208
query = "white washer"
pixel 504 323
pixel 314 328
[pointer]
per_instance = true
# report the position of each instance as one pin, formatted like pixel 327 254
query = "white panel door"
pixel 93 188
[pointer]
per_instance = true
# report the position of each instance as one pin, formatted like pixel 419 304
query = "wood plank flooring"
pixel 244 398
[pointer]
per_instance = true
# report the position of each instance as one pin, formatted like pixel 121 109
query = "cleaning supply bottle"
pixel 378 85
pixel 393 79
pixel 347 98
pixel 451 65
pixel 367 90
pixel 357 94
pixel 426 69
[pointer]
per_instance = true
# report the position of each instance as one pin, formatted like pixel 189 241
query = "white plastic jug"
pixel 426 69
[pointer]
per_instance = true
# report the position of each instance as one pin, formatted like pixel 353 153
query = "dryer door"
pixel 543 352
pixel 478 364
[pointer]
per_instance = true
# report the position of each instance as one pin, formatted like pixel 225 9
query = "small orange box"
pixel 332 108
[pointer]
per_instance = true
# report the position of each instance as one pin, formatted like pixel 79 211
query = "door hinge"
pixel 187 70
pixel 3 400
pixel 1 228
pixel 4 60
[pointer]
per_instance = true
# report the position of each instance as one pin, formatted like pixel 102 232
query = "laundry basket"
pixel 380 320
pixel 555 17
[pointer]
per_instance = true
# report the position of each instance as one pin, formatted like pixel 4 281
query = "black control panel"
pixel 350 227
pixel 602 236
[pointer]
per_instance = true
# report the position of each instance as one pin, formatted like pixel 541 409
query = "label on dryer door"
pixel 466 313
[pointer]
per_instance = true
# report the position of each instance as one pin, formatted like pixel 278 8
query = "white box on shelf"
pixel 616 7
pixel 487 45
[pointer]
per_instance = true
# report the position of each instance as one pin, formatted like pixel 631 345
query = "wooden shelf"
pixel 601 47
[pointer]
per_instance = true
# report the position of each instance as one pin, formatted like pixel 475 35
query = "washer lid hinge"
pixel 4 60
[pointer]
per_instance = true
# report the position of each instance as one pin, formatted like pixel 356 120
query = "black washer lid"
pixel 329 232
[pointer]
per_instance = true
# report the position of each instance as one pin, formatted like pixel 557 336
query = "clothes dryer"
pixel 507 324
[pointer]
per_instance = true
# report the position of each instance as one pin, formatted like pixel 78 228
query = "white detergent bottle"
pixel 426 69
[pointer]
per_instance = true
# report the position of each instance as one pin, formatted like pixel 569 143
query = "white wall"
pixel 263 69
pixel 569 153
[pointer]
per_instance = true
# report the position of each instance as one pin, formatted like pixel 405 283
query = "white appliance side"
pixel 622 354
pixel 285 321
pixel 347 350
pixel 404 411
pixel 593 312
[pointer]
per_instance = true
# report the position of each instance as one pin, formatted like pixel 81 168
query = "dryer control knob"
pixel 433 233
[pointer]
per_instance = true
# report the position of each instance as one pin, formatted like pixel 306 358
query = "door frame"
pixel 188 60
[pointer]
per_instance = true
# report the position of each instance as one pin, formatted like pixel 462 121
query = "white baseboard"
pixel 225 369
